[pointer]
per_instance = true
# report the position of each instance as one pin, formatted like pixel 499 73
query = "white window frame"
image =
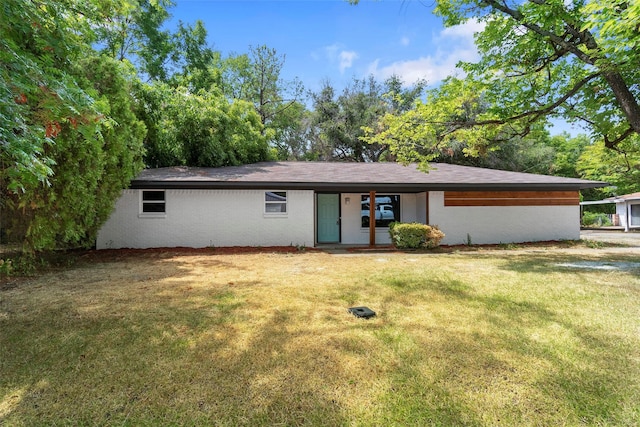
pixel 143 214
pixel 266 203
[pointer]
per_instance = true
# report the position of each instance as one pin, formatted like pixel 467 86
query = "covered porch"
pixel 363 218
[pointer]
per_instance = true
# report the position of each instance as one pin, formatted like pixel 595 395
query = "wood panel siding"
pixel 511 198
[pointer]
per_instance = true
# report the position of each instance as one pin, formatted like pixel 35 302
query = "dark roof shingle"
pixel 356 177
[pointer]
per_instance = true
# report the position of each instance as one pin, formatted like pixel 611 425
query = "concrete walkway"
pixel 631 238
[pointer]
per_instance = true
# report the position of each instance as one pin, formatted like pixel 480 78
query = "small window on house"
pixel 275 202
pixel 153 202
pixel 386 210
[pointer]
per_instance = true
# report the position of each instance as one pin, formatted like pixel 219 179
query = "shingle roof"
pixel 357 177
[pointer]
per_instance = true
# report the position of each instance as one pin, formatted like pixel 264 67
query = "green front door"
pixel 328 218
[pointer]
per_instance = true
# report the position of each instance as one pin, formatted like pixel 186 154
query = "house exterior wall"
pixel 421 208
pixel 503 224
pixel 621 210
pixel 201 218
pixel 629 213
pixel 352 231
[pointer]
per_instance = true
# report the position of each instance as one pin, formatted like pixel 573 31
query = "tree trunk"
pixel 625 98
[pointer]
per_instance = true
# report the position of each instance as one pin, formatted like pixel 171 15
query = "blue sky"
pixel 333 40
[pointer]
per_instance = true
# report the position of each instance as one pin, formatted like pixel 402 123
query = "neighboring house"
pixel 312 203
pixel 627 210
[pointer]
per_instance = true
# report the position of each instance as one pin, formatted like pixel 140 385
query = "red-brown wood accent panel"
pixel 511 198
pixel 510 194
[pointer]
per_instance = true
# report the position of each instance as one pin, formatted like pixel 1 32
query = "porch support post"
pixel 372 218
pixel 426 221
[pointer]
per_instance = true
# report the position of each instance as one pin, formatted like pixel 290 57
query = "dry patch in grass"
pixel 499 338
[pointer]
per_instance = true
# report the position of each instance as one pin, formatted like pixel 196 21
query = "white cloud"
pixel 456 45
pixel 337 54
pixel 331 51
pixel 346 59
pixel 463 31
pixel 431 68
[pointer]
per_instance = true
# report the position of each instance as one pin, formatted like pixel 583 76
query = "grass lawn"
pixel 480 338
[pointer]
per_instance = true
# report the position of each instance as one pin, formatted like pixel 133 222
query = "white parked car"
pixel 384 215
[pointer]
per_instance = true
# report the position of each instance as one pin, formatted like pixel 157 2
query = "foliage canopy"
pixel 538 60
pixel 69 139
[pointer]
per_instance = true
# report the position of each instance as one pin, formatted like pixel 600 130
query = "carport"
pixel 627 210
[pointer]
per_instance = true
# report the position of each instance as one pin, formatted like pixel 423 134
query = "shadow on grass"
pixel 585 375
pixel 169 352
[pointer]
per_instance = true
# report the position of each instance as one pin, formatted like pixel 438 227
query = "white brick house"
pixel 311 203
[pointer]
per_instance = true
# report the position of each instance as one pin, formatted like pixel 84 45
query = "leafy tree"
pixel 196 65
pixel 399 98
pixel 132 29
pixel 69 139
pixel 325 114
pixel 519 154
pixel 568 151
pixel 153 105
pixel 432 128
pixel 293 133
pixel 39 41
pixel 199 129
pixel 602 164
pixel 539 60
pixel 215 132
pixel 255 78
pixel 507 148
pixel 342 121
pixel 92 160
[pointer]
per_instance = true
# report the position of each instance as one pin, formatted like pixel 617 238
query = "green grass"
pixel 478 339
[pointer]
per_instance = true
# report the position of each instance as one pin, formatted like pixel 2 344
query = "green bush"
pixel 21 264
pixel 414 235
pixel 5 267
pixel 595 219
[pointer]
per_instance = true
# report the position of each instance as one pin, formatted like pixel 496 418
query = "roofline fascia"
pixel 359 187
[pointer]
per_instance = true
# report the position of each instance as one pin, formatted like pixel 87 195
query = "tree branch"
pixel 611 143
pixel 564 44
pixel 535 113
pixel 626 100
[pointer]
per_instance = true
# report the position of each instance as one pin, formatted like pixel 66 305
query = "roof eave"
pixel 362 187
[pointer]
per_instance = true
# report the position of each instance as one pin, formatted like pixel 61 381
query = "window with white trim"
pixel 153 202
pixel 275 202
